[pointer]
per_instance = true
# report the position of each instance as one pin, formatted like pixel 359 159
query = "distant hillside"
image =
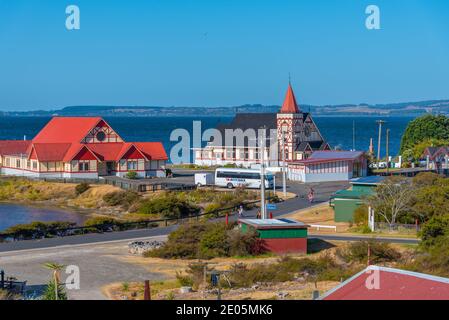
pixel 398 109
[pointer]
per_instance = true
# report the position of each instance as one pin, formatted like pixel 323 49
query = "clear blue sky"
pixel 221 53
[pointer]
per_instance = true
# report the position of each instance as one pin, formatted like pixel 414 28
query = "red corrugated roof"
pixel 393 284
pixel 290 105
pixel 60 140
pixel 14 147
pixel 66 129
pixel 152 150
pixel 50 151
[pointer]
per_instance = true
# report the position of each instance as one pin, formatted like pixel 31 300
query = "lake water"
pixel 338 131
pixel 12 214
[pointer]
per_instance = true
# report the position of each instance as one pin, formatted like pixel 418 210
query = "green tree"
pixel 422 128
pixel 392 199
pixel 54 290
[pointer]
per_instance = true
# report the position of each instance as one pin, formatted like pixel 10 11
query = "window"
pixel 18 163
pixel 34 165
pixel 132 165
pixel 83 166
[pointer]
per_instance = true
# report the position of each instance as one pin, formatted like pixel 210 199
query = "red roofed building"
pixel 323 166
pixel 380 283
pixel 80 147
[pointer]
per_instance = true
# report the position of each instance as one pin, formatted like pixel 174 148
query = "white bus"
pixel 235 177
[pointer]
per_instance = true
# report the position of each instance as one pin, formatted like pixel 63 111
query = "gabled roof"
pixel 61 140
pixel 49 151
pixel 66 129
pixel 14 147
pixel 393 284
pixel 289 105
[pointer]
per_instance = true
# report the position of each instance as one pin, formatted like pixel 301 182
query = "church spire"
pixel 289 105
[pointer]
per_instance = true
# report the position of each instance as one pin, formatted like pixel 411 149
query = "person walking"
pixel 240 211
pixel 311 195
pixel 259 214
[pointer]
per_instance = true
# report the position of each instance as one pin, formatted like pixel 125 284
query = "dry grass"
pixel 322 215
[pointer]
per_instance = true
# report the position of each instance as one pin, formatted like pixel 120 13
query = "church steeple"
pixel 290 105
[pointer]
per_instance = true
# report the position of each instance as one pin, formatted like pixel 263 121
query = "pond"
pixel 12 214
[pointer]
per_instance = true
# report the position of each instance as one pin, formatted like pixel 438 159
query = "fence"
pixel 397 227
pixel 134 185
pixel 118 226
pixel 10 284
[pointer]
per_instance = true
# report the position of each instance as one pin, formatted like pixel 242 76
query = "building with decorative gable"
pixel 80 147
pixel 296 134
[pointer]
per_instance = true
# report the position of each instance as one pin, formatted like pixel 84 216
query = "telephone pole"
pixel 379 122
pixel 262 175
pixel 388 141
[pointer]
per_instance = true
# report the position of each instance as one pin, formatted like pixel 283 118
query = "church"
pixel 296 134
pixel 80 147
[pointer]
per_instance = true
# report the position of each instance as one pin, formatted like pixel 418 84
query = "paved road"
pixel 322 193
pixel 363 238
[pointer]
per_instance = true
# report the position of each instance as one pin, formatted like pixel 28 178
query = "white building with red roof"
pixel 80 147
pixel 295 134
pixel 324 166
pixel 381 283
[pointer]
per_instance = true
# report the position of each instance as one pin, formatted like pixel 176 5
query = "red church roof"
pixel 61 140
pixel 290 105
pixel 393 284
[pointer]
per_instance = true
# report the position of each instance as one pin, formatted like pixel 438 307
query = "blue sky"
pixel 221 53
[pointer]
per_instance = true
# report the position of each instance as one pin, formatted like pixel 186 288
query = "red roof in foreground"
pixel 393 284
pixel 60 140
pixel 66 129
pixel 14 147
pixel 290 105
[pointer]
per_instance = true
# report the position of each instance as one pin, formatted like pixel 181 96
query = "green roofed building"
pixel 345 202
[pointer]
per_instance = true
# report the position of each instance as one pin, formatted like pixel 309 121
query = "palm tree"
pixel 56 275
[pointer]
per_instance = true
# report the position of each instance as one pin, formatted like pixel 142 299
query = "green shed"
pixel 345 202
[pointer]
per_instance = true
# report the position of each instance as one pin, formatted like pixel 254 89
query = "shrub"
pixel 244 244
pixel 37 230
pixel 102 224
pixel 379 252
pixel 168 206
pixel 81 188
pixel 432 230
pixel 125 199
pixel 49 291
pixel 131 175
pixel 206 241
pixel 213 241
pixel 212 207
pixel 361 215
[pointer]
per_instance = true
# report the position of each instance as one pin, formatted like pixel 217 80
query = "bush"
pixel 81 188
pixel 125 199
pixel 49 291
pixel 102 224
pixel 213 241
pixel 433 230
pixel 244 244
pixel 379 252
pixel 36 230
pixel 131 175
pixel 206 241
pixel 168 206
pixel 361 215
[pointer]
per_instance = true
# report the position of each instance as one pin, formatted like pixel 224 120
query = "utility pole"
pixel 262 175
pixel 284 178
pixel 353 135
pixel 379 122
pixel 388 139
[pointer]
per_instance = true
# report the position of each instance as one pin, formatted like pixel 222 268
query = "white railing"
pixel 318 227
